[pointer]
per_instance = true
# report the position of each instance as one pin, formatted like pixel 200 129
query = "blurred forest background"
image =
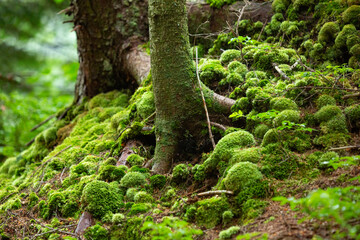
pixel 38 68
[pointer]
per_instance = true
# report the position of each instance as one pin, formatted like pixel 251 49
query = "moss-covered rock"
pixel 241 175
pixel 135 159
pixel 99 198
pixel 260 130
pixel 110 173
pixel 209 211
pixel 353 115
pixel 245 155
pixel 143 197
pixel 352 15
pixel 327 112
pixel 198 172
pixel 229 233
pixel 287 115
pixel 242 104
pixel 281 104
pixel 180 173
pixel 341 39
pixel 324 100
pixel 146 106
pixel 133 179
pixel 226 146
pixel 157 181
pixel 237 67
pixel 328 32
pixel 229 56
pixel 211 71
pixel 96 232
pixel 336 124
pixel 355 51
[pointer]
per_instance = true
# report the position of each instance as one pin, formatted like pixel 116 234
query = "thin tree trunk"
pixel 178 103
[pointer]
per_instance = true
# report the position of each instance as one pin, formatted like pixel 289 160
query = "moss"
pixel 117 218
pixel 327 112
pixel 354 62
pixel 229 233
pixel 352 15
pixel 226 146
pixel 281 104
pixel 70 208
pixel 261 102
pixel 157 181
pixel 211 71
pixel 229 56
pixel 133 179
pixel 199 172
pixel 227 217
pixel 257 74
pixel 253 208
pixel 326 158
pixel 99 198
pixel 135 159
pixel 56 202
pixel 355 50
pixel 237 67
pixel 336 124
pixel 14 204
pixel 120 120
pixel 261 130
pixel 246 155
pixel 325 100
pixel 353 115
pixel 328 32
pixel 279 6
pixel 180 173
pixel 287 115
pixel 209 211
pixel 241 175
pixel 146 106
pixel 242 104
pixel 352 40
pixel 300 5
pixel 342 37
pixel 110 173
pixel 143 197
pixel 33 200
pixel 233 79
pixel 332 140
pixel 252 92
pixel 308 44
pixel 96 232
pixel 84 168
pixel 139 208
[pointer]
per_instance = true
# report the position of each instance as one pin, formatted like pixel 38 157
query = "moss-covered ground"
pixel 293 139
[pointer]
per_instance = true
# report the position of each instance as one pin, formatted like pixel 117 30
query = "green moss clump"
pixel 242 104
pixel 56 201
pixel 96 232
pixel 260 130
pixel 226 146
pixel 143 197
pixel 110 173
pixel 352 15
pixel 336 124
pixel 33 200
pixel 325 100
pixel 229 233
pixel 157 181
pixel 300 5
pixel 146 105
pixel 355 50
pixel 199 172
pixel 227 217
pixel 253 208
pixel 209 211
pixel 99 198
pixel 281 104
pixel 133 179
pixel 229 56
pixel 180 173
pixel 117 218
pixel 241 175
pixel 332 140
pixel 130 194
pixel 84 168
pixel 246 155
pixel 233 79
pixel 341 39
pixel 212 71
pixel 279 6
pixel 237 67
pixel 327 112
pixel 70 208
pixel 139 208
pixel 287 115
pixel 328 32
pixel 353 115
pixel 135 159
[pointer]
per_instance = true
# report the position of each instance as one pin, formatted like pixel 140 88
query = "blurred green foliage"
pixel 38 68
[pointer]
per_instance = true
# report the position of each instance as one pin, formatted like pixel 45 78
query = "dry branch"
pixel 283 75
pixel 42 123
pixel 217 192
pixel 351 95
pixel 345 147
pixel 218 125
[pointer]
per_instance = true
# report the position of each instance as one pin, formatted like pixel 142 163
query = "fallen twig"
pixel 42 123
pixel 217 192
pixel 218 125
pixel 280 72
pixel 52 230
pixel 345 147
pixel 351 95
pixel 203 98
pixel 64 113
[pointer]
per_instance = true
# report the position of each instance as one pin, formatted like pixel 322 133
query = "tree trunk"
pixel 178 104
pixel 108 32
pixel 103 31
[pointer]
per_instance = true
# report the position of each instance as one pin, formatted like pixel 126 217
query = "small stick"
pixel 351 95
pixel 42 123
pixel 280 72
pixel 262 29
pixel 218 125
pixel 218 192
pixel 294 65
pixel 64 113
pixel 346 147
pixel 53 230
pixel 30 142
pixel 203 98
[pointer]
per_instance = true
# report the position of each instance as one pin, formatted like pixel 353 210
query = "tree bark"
pixel 108 32
pixel 178 106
